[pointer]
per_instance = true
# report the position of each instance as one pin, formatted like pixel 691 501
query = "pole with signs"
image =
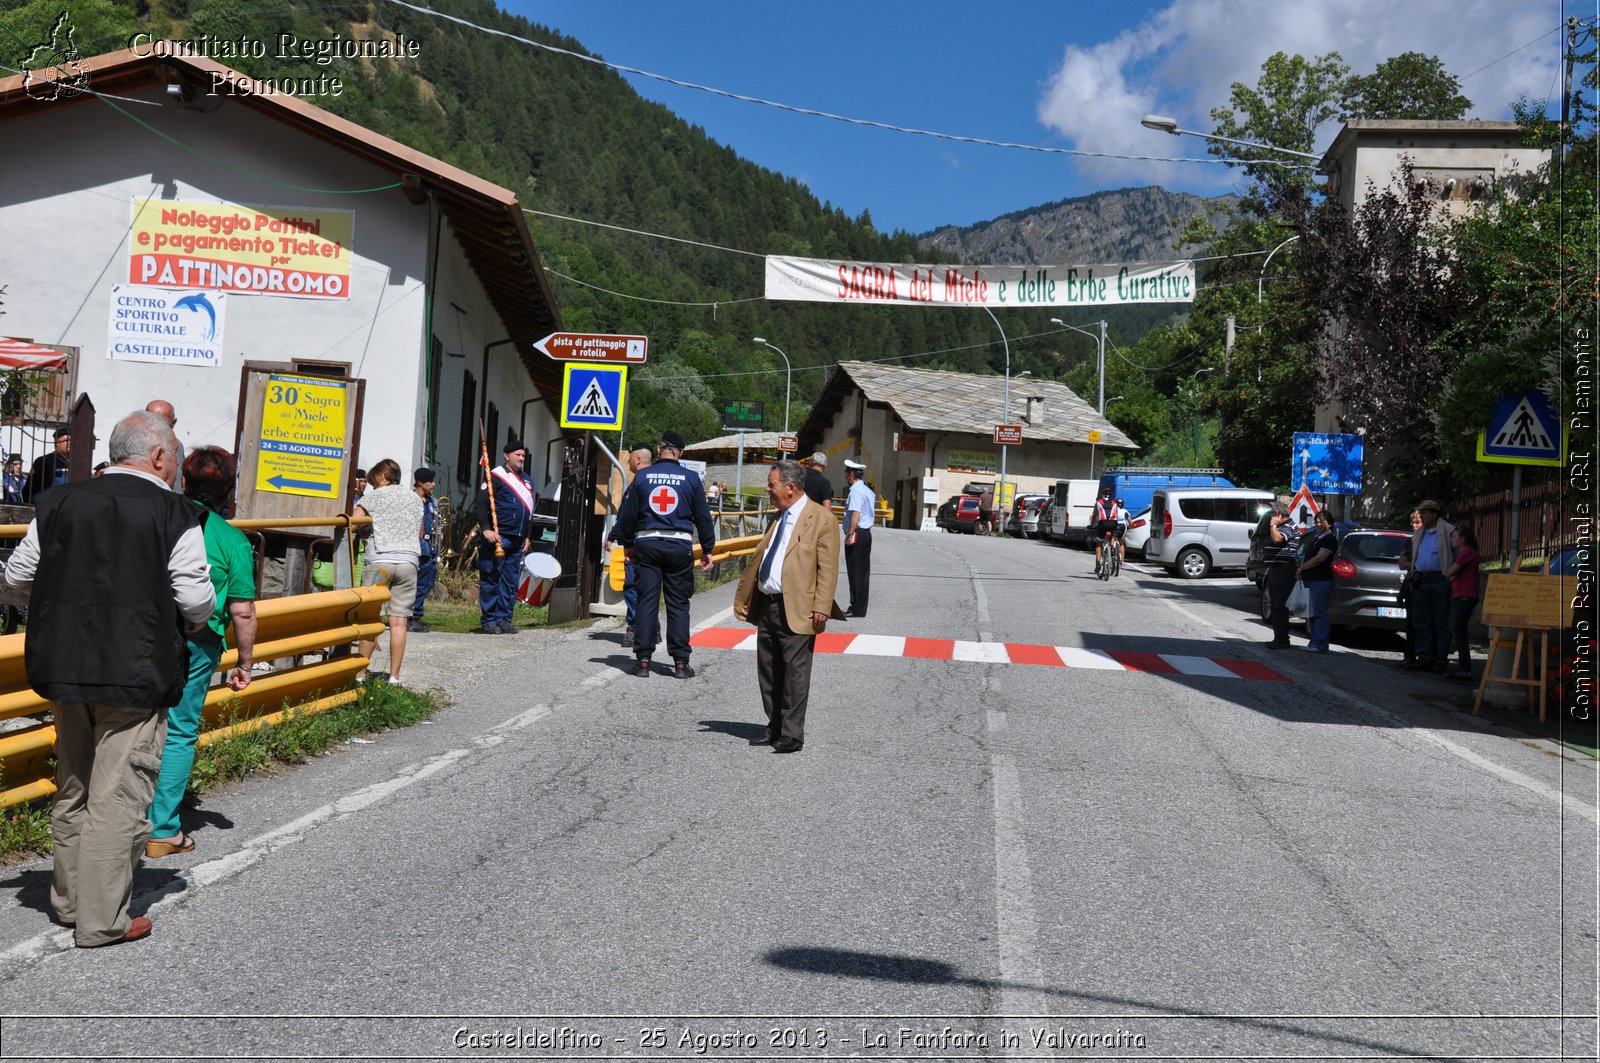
pixel 1523 430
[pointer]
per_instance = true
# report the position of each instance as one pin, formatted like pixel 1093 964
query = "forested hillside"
pixel 573 138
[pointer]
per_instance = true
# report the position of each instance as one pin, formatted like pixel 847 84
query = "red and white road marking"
pixel 740 638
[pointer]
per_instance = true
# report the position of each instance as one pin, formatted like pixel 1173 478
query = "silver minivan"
pixel 1196 529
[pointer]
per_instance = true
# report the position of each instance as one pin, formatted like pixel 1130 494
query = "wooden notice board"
pixel 1528 601
pixel 298 431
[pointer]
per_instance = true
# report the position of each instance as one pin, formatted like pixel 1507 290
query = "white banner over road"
pixel 820 280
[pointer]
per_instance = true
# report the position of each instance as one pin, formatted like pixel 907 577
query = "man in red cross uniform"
pixel 662 514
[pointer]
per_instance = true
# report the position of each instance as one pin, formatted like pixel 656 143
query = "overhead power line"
pixel 815 113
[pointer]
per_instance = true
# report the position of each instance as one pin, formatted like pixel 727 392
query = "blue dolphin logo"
pixel 198 301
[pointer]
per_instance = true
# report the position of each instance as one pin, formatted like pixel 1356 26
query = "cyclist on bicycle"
pixel 1110 520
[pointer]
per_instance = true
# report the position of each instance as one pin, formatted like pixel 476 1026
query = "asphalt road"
pixel 971 858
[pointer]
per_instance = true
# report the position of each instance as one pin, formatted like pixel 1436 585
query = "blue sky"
pixel 1041 72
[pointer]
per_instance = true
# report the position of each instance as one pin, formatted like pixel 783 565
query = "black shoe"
pixel 487 629
pixel 507 628
pixel 765 740
pixel 683 670
pixel 1277 644
pixel 627 637
pixel 641 667
pixel 787 745
pixel 419 627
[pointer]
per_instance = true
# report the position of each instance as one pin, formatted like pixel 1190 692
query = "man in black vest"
pixel 49 470
pixel 117 570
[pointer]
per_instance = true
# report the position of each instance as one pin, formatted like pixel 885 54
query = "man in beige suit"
pixel 788 596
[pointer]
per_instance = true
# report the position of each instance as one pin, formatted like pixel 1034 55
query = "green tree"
pixel 1289 102
pixel 1411 85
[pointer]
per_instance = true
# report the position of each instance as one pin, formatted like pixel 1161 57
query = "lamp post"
pixel 1162 124
pixel 1263 276
pixel 1100 361
pixel 1194 414
pixel 789 382
pixel 1005 416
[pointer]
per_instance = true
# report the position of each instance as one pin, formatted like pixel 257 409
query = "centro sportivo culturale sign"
pixel 834 281
pixel 226 247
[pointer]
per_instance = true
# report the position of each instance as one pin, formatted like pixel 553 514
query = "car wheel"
pixel 1266 605
pixel 1194 563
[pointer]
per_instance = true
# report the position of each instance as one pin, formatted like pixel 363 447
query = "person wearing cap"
pixel 506 526
pixel 663 511
pixel 49 470
pixel 817 486
pixel 1429 609
pixel 15 483
pixel 858 536
pixel 422 482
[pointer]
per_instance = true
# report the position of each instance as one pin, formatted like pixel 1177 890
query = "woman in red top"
pixel 1463 577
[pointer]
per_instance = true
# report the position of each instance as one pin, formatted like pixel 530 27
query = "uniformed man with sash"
pixel 503 521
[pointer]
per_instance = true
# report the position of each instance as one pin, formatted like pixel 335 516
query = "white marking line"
pixel 255 850
pixel 1078 657
pixel 984 652
pixel 1499 771
pixel 1197 665
pixel 877 645
pixel 1016 921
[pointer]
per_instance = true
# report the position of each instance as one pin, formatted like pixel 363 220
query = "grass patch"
pixel 25 829
pixel 459 617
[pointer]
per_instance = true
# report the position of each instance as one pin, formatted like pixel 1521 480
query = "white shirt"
pixel 187 567
pixel 774 584
pixel 861 501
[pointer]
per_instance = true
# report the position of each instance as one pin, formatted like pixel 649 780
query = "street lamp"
pixel 1101 360
pixel 788 385
pixel 1005 414
pixel 1263 275
pixel 1162 124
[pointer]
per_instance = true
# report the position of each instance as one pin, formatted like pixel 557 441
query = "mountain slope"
pixel 1122 226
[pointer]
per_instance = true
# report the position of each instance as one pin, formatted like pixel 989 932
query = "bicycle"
pixel 1109 564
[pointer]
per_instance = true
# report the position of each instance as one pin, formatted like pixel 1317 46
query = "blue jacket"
pixel 666 497
pixel 511 513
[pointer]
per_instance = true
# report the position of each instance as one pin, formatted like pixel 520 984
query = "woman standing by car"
pixel 1463 577
pixel 1316 573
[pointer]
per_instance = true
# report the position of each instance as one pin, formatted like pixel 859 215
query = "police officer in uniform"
pixel 662 512
pixel 498 577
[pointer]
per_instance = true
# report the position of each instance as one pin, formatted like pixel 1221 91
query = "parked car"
pixel 959 514
pixel 1366 579
pixel 1138 532
pixel 1024 518
pixel 1194 530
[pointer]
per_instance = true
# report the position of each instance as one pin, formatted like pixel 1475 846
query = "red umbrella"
pixel 17 354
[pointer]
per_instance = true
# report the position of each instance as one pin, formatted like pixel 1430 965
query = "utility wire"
pixel 814 113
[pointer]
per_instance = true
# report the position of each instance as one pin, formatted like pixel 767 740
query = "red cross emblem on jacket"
pixel 664 500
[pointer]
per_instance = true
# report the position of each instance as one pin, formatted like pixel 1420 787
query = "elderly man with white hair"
pixel 116 569
pixel 817 486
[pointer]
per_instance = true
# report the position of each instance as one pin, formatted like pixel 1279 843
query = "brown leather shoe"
pixel 155 850
pixel 140 927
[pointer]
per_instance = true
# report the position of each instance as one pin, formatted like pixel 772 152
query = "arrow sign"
pixel 1523 430
pixel 594 347
pixel 1303 508
pixel 282 483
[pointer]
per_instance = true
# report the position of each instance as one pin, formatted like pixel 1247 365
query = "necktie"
pixel 765 572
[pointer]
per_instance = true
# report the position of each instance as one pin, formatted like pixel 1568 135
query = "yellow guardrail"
pixel 285 628
pixel 724 549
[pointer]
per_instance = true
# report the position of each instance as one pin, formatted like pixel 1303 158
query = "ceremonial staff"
pixel 488 478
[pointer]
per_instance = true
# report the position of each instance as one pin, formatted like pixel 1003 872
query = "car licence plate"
pixel 1391 612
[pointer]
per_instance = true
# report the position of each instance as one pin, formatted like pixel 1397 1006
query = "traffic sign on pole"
pixel 1009 435
pixel 788 443
pixel 1327 463
pixel 1523 430
pixel 594 347
pixel 592 396
pixel 1303 508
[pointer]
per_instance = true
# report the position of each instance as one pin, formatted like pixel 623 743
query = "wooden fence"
pixel 1544 528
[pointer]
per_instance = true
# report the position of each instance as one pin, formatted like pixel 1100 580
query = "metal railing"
pixel 323 624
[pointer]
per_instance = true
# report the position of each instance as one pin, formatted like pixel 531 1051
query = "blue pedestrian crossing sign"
pixel 592 396
pixel 1523 430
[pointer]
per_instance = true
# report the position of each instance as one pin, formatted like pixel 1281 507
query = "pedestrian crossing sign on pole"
pixel 592 396
pixel 1523 430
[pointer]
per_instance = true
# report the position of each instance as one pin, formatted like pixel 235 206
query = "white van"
pixel 1071 511
pixel 1196 529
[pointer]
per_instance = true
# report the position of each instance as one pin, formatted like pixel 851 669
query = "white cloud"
pixel 1183 60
